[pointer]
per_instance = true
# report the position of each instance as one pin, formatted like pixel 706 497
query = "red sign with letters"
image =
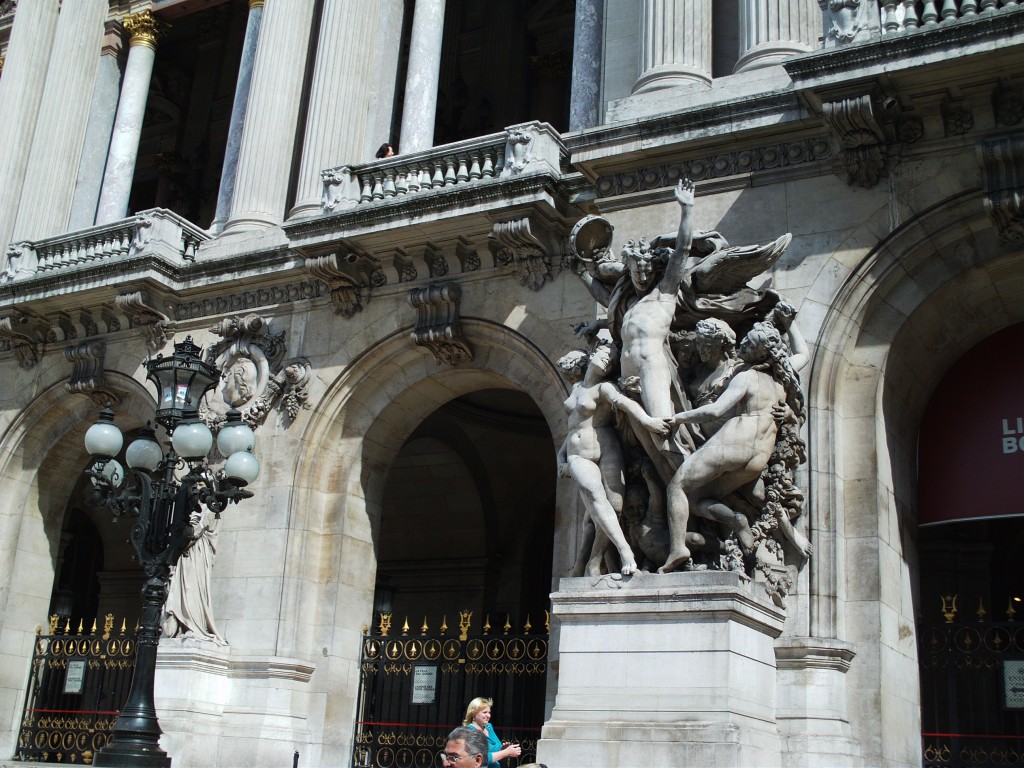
pixel 971 445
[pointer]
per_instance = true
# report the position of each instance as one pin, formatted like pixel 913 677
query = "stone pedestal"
pixel 675 669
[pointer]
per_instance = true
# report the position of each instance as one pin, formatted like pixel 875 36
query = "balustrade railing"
pixel 903 15
pixel 157 231
pixel 517 149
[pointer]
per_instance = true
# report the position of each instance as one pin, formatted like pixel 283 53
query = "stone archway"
pixel 341 479
pixel 911 306
pixel 41 460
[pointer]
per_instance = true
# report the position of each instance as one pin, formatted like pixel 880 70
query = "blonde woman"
pixel 478 715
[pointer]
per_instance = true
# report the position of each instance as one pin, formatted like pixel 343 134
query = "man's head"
pixel 715 339
pixel 644 263
pixel 466 748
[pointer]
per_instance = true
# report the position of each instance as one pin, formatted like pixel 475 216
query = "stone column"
pixel 265 154
pixel 773 30
pixel 421 82
pixel 238 108
pixel 143 29
pixel 676 44
pixel 63 116
pixel 97 133
pixel 588 42
pixel 21 89
pixel 339 101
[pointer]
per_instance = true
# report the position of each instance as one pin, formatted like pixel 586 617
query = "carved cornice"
pixel 1002 171
pixel 437 323
pixel 144 28
pixel 253 299
pixel 25 335
pixel 349 276
pixel 87 372
pixel 515 244
pixel 154 324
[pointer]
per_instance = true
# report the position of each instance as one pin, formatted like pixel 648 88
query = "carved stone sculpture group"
pixel 685 412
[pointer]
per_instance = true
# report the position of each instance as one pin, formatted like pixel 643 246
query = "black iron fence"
pixel 414 688
pixel 972 688
pixel 79 681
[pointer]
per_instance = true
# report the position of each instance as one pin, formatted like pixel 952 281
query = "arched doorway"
pixel 463 576
pixel 971 533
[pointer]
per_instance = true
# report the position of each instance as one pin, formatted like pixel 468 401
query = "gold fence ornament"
pixel 949 608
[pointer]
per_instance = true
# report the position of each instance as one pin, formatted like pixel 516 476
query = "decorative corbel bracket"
pixel 863 125
pixel 155 325
pixel 524 247
pixel 349 276
pixel 437 323
pixel 1002 171
pixel 86 378
pixel 25 335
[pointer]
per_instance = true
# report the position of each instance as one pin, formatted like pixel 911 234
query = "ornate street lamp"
pixel 160 493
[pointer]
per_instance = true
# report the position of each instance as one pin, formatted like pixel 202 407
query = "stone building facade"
pixel 175 168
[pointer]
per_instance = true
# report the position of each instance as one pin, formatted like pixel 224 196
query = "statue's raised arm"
pixel 675 269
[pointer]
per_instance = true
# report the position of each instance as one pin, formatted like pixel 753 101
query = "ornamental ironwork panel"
pixel 414 688
pixel 972 688
pixel 78 684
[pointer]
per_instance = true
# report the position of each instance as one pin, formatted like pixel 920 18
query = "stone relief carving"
pixel 1002 170
pixel 25 334
pixel 437 323
pixel 517 151
pixel 21 260
pixel 514 244
pixel 154 324
pixel 188 613
pixel 956 117
pixel 349 276
pixel 843 20
pixel 256 377
pixel 685 413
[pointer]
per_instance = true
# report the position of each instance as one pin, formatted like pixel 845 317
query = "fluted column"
pixel 587 46
pixel 420 107
pixel 105 93
pixel 238 108
pixel 773 30
pixel 676 44
pixel 143 29
pixel 63 116
pixel 265 154
pixel 21 89
pixel 339 101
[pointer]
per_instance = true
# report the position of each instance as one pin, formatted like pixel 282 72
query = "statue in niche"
pixel 713 488
pixel 188 614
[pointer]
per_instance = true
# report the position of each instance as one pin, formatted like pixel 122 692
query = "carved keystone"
pixel 437 323
pixel 87 372
pixel 348 275
pixel 1002 171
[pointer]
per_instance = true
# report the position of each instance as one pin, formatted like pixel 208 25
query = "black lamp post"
pixel 162 492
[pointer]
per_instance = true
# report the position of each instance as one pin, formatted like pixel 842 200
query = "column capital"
pixel 256 4
pixel 144 28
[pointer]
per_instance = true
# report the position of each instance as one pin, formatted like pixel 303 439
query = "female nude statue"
pixel 738 451
pixel 592 453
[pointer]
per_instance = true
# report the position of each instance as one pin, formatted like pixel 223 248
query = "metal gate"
pixel 414 688
pixel 972 688
pixel 78 684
